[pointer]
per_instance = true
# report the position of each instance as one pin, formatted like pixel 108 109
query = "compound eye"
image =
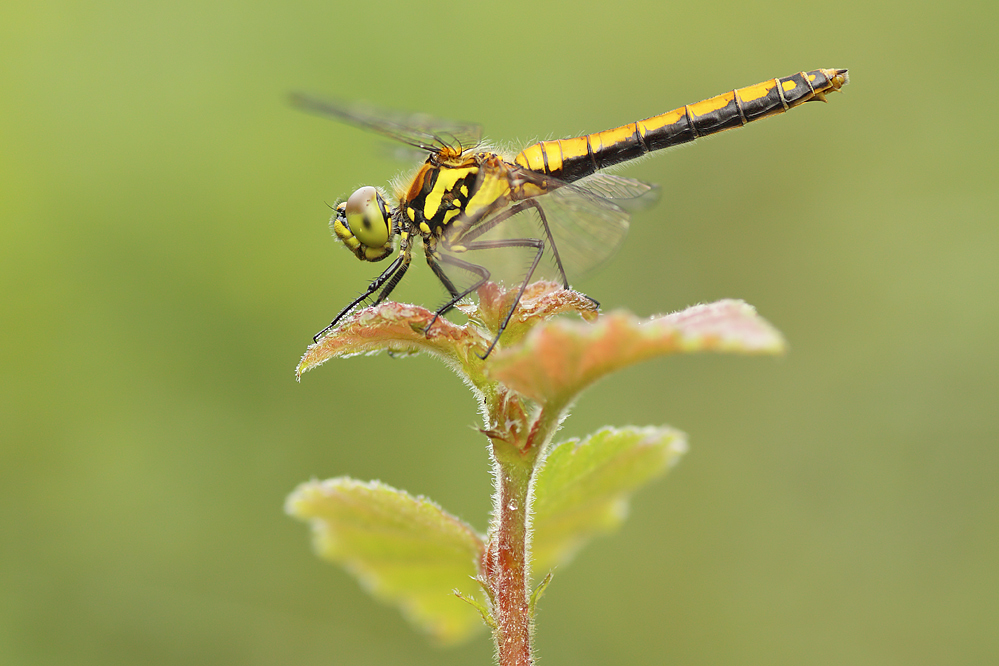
pixel 368 217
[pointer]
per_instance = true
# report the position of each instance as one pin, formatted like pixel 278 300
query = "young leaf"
pixel 406 550
pixel 540 302
pixel 560 358
pixel 584 487
pixel 394 327
pixel 405 329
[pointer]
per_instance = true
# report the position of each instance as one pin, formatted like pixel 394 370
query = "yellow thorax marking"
pixel 446 179
pixel 487 194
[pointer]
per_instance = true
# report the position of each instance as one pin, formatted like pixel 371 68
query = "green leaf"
pixel 584 487
pixel 405 550
pixel 560 358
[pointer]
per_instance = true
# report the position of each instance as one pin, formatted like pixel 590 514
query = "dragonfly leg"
pixel 536 243
pixel 520 207
pixel 551 242
pixel 456 295
pixel 467 241
pixel 387 281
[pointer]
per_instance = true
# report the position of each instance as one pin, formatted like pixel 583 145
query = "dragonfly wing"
pixel 418 130
pixel 632 195
pixel 582 225
pixel 587 227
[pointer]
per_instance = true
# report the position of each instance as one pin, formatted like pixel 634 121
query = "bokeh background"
pixel 165 259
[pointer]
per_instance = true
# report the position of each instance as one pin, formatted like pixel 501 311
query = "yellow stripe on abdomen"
pixel 572 159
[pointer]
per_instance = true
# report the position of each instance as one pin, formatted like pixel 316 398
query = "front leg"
pixel 456 295
pixel 389 278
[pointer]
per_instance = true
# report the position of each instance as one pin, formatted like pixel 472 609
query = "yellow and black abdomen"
pixel 572 159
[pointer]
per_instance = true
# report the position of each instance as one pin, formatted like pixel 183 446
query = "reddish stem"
pixel 505 565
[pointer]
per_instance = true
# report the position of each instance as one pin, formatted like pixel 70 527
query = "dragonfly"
pixel 553 198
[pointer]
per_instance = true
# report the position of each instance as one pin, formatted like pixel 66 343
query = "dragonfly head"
pixel 364 223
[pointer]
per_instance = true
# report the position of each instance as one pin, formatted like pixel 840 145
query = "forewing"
pixel 418 130
pixel 587 222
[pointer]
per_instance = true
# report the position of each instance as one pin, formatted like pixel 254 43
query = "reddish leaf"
pixel 558 360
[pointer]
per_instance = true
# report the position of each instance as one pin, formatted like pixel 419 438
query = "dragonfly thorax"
pixel 444 201
pixel 364 223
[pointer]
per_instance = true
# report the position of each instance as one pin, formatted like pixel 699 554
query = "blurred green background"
pixel 165 259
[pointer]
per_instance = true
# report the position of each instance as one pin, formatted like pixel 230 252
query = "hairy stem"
pixel 506 565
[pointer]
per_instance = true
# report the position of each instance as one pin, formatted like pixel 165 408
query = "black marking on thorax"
pixel 448 190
